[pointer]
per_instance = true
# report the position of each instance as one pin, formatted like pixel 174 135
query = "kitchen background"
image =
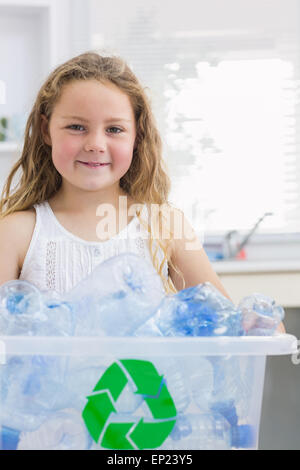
pixel 224 80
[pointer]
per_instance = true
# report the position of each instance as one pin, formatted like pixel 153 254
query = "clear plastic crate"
pixel 134 393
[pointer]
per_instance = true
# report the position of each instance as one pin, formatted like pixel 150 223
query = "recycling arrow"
pixel 151 435
pixel 96 413
pixel 115 436
pixel 163 407
pixel 131 435
pixel 112 379
pixel 144 375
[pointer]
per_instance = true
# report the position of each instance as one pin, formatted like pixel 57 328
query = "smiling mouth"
pixel 93 164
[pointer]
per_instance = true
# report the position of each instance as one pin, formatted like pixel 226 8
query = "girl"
pixel 91 142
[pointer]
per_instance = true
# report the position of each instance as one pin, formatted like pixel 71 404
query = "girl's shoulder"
pixel 23 219
pixel 19 221
pixel 19 228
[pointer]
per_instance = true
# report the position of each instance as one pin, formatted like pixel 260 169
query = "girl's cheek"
pixel 124 153
pixel 66 148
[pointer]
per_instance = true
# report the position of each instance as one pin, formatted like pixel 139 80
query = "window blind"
pixel 226 99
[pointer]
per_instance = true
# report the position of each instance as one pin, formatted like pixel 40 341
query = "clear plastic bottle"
pixel 120 294
pixel 200 380
pixel 261 315
pixel 21 308
pixel 209 431
pixel 233 386
pixel 190 381
pixel 175 378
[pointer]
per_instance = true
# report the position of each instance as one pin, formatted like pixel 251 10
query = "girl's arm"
pixel 189 256
pixel 10 234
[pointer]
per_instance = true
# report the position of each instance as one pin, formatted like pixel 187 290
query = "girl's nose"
pixel 95 143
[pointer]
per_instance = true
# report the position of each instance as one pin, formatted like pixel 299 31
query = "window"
pixel 225 91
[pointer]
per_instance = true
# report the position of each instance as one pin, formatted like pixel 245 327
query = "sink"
pixel 280 254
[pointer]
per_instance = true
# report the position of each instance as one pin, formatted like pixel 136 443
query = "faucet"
pixel 230 251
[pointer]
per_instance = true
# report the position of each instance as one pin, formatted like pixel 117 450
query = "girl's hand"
pixel 281 329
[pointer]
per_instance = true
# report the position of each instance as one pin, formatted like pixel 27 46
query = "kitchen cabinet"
pixel 278 279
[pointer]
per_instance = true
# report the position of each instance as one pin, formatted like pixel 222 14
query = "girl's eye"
pixel 110 130
pixel 114 130
pixel 76 127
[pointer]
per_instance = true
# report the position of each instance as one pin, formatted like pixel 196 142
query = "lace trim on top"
pixel 50 265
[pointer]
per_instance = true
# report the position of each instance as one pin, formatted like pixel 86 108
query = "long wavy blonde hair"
pixel 146 181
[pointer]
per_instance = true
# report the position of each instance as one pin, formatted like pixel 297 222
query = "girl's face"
pixel 92 134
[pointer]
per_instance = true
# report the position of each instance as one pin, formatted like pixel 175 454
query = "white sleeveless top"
pixel 58 260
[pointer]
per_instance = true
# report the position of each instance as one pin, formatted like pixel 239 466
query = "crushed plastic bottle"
pixel 119 296
pixel 31 388
pixel 65 430
pixel 26 311
pixel 197 311
pixel 261 315
pixel 124 297
pixel 82 374
pixel 210 431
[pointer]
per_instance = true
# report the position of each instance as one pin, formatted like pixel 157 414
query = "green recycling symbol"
pixel 131 435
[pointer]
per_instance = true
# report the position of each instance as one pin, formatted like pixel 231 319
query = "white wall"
pixel 36 36
pixel 207 16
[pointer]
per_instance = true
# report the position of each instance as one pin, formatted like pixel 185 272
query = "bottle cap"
pixel 243 436
pixel 9 438
pixel 227 409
